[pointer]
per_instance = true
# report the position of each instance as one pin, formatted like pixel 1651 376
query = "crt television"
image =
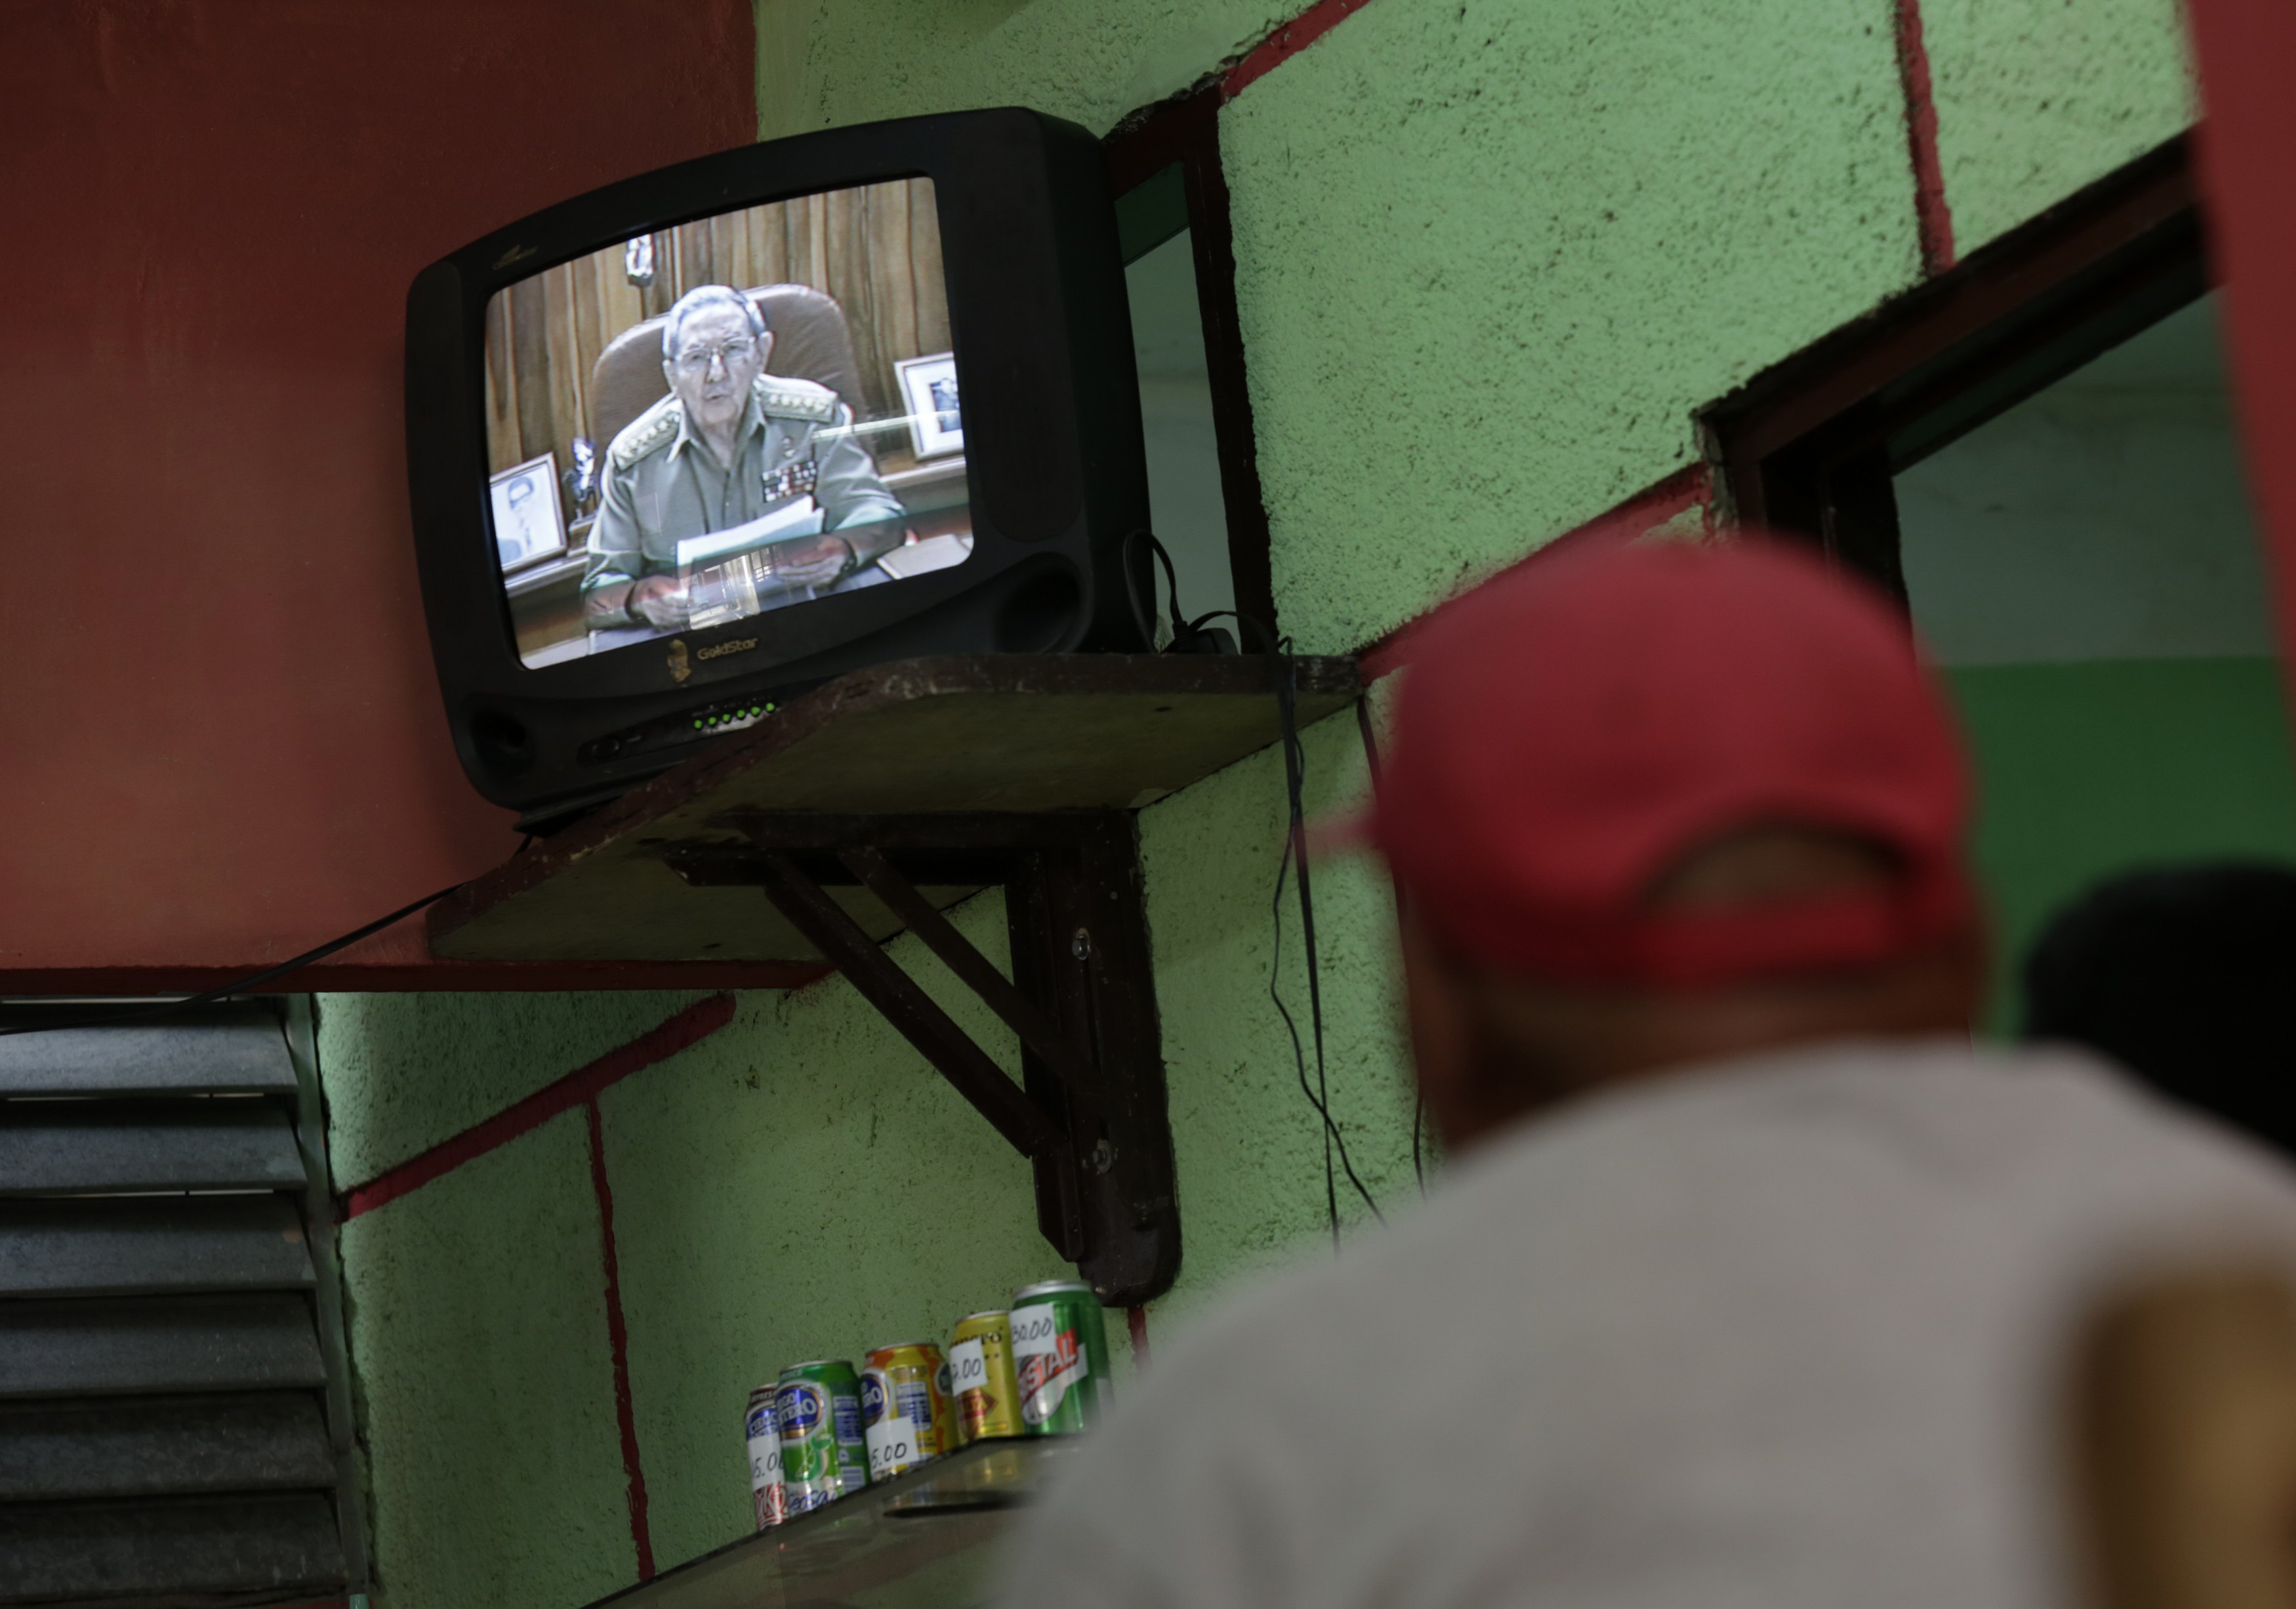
pixel 688 445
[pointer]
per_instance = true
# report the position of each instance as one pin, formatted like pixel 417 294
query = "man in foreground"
pixel 1750 1282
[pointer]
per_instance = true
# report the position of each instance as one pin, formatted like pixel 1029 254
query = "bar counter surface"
pixel 922 1540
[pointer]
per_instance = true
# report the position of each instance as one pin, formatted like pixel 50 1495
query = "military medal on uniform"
pixel 795 479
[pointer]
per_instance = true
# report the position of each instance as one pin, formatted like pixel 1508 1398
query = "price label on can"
pixel 904 1407
pixel 892 1448
pixel 981 1369
pixel 762 1428
pixel 1060 1357
pixel 968 1364
pixel 764 1457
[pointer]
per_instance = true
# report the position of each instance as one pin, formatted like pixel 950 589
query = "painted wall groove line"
pixel 1932 216
pixel 1285 42
pixel 686 1029
pixel 1661 503
pixel 618 1336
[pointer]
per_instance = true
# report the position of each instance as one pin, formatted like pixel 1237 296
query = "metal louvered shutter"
pixel 174 1424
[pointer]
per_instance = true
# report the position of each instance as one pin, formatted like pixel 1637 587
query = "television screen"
pixel 723 419
pixel 684 447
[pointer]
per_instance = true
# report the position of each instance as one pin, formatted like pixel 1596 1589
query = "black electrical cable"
pixel 1186 635
pixel 1320 1101
pixel 1145 618
pixel 1295 853
pixel 1294 838
pixel 1418 1126
pixel 1418 1102
pixel 160 1008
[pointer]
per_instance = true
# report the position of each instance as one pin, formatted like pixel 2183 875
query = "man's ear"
pixel 1439 1016
pixel 765 349
pixel 1970 962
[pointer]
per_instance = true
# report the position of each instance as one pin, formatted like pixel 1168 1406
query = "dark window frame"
pixel 1184 132
pixel 1810 446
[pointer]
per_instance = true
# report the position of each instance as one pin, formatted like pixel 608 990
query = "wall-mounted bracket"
pixel 865 808
pixel 1089 1111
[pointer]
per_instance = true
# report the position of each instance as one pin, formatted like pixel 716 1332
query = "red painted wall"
pixel 2247 52
pixel 220 738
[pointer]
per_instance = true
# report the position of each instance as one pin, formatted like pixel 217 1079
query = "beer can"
pixel 823 1456
pixel 905 1408
pixel 1060 1358
pixel 980 1377
pixel 762 1427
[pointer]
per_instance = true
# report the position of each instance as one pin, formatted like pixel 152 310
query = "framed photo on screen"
pixel 929 388
pixel 529 526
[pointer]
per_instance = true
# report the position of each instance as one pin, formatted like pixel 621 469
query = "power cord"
pixel 1418 1102
pixel 1194 636
pixel 1188 637
pixel 161 1008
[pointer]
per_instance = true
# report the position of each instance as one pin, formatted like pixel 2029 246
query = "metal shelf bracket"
pixel 1089 1110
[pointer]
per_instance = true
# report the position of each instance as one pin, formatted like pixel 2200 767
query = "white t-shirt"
pixel 1784 1334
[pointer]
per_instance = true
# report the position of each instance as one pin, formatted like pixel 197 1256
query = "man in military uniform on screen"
pixel 769 459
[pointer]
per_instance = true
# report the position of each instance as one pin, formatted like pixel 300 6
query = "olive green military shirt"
pixel 663 484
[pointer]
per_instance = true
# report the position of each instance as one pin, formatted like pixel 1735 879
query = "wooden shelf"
pixel 928 1536
pixel 1007 734
pixel 875 802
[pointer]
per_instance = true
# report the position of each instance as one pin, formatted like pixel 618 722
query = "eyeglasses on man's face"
pixel 698 360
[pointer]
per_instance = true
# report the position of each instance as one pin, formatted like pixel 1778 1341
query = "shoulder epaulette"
pixel 791 398
pixel 654 429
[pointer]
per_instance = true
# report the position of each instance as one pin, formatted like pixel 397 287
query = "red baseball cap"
pixel 1569 732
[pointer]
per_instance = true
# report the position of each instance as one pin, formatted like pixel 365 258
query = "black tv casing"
pixel 1055 462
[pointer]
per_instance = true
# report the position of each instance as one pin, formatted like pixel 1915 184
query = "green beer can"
pixel 1060 1354
pixel 823 1456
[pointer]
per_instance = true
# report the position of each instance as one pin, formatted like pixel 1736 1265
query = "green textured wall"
pixel 487 1395
pixel 1248 1147
pixel 1492 254
pixel 824 62
pixel 801 1185
pixel 2035 98
pixel 405 1072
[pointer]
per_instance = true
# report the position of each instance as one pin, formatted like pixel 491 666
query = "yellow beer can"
pixel 981 1371
pixel 906 1413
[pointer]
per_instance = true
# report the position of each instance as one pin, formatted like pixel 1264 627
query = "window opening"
pixel 1187 497
pixel 1812 447
pixel 2104 517
pixel 1203 472
pixel 2035 453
